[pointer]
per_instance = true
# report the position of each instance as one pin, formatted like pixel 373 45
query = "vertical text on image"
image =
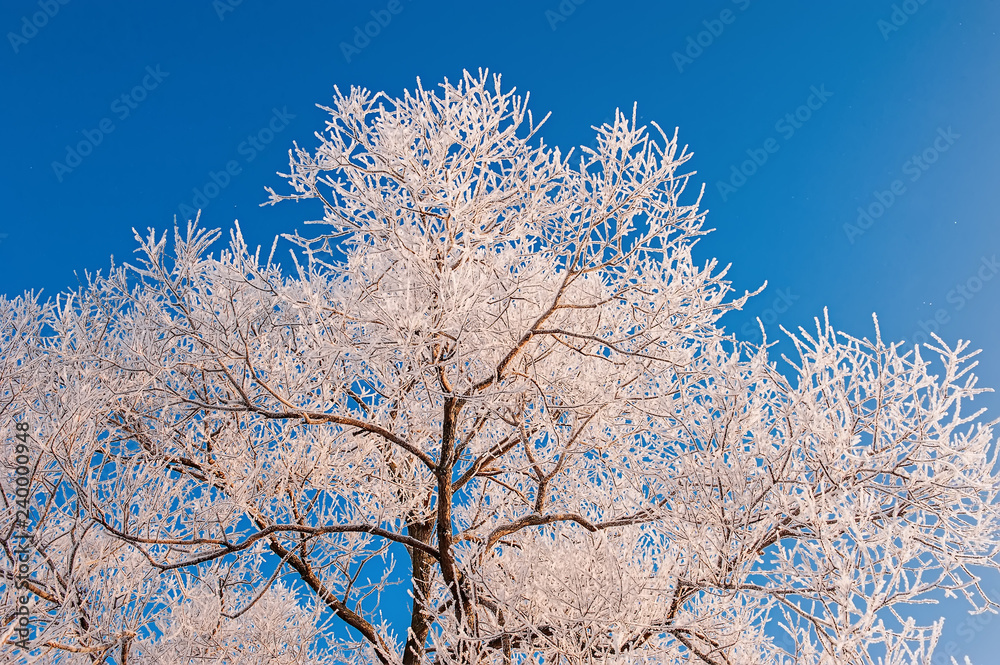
pixel 22 522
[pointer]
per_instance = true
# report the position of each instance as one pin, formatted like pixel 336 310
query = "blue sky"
pixel 798 116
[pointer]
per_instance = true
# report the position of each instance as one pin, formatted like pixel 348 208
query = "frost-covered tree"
pixel 500 364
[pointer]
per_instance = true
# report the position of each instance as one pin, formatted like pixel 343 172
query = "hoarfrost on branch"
pixel 501 363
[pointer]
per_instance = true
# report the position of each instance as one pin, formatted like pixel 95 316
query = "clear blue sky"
pixel 891 108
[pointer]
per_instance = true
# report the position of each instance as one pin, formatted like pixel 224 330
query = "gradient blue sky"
pixel 915 79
